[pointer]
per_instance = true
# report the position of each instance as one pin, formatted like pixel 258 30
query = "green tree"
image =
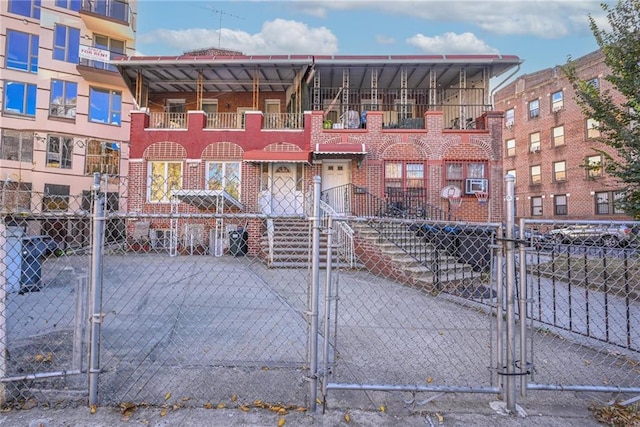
pixel 618 120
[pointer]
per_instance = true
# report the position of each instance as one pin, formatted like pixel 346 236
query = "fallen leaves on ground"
pixel 617 415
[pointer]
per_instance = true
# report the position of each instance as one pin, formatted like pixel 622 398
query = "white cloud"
pixel 276 37
pixel 450 43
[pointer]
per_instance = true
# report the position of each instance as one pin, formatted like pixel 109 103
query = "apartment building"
pixel 550 146
pixel 406 135
pixel 64 111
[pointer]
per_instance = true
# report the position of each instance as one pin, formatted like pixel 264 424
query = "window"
pixel 20 98
pixel 17 146
pixel 399 176
pixel 535 174
pixel 69 4
pixel 557 101
pixel 164 177
pixel 594 82
pixel 560 204
pixel 15 196
pixel 105 106
pixel 607 202
pixel 59 152
pixel 28 8
pixel 224 176
pixel 534 108
pixel 116 9
pixel 560 171
pixel 108 44
pixel 557 133
pixel 509 117
pixel 534 142
pixel 512 172
pixel 56 197
pixel 456 173
pixel 594 166
pixel 22 51
pixel 209 106
pixel 511 147
pixel 64 96
pixel 103 157
pixel 66 43
pixel 592 129
pixel 536 206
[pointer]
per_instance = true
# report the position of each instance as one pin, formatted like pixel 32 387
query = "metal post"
pixel 510 297
pixel 4 273
pixel 96 289
pixel 522 315
pixel 328 297
pixel 315 285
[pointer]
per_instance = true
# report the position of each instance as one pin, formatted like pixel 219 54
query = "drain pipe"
pixel 494 90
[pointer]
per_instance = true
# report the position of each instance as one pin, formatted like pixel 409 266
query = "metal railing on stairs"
pixel 343 234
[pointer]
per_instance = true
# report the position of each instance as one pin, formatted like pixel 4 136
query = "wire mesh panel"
pixel 206 301
pixel 418 311
pixel 581 281
pixel 44 266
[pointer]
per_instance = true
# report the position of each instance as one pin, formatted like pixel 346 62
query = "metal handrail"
pixel 344 233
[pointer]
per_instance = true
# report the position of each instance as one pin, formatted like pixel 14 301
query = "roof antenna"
pixel 222 12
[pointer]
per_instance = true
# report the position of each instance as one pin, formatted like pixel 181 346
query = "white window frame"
pixel 225 185
pixel 150 181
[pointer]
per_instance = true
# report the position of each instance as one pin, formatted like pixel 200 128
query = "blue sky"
pixel 541 32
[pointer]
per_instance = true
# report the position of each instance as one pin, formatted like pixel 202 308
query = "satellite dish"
pixel 450 191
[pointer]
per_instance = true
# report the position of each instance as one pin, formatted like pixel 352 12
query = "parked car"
pixel 596 234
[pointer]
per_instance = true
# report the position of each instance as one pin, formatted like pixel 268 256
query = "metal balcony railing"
pixel 114 9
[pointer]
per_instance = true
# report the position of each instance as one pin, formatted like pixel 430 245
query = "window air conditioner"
pixel 509 124
pixel 556 108
pixel 474 185
pixel 535 149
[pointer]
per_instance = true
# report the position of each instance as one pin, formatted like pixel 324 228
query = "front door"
pixel 336 175
pixel 286 199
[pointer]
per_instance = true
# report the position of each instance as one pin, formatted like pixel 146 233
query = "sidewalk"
pixel 542 410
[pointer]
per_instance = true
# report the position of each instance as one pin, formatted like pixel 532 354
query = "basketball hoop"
pixel 455 202
pixel 482 196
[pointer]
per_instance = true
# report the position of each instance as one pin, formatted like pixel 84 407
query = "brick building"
pixel 549 146
pixel 249 133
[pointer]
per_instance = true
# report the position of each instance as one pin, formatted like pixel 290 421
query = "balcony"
pixel 112 18
pixel 167 120
pixel 272 121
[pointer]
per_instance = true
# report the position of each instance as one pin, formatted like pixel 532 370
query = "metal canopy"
pixel 275 73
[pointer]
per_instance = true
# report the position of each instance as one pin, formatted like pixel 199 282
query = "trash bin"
pixel 443 237
pixel 33 250
pixel 238 242
pixel 473 247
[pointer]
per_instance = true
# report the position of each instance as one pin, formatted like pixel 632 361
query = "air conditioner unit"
pixel 509 124
pixel 556 108
pixel 474 185
pixel 535 149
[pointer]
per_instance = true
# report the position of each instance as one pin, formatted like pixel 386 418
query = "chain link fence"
pixel 196 302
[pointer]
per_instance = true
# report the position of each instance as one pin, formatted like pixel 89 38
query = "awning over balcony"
pixel 207 199
pixel 339 149
pixel 261 156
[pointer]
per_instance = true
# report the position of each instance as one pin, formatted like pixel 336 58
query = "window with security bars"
pixel 163 178
pixel 224 176
pixel 456 172
pixel 17 146
pixel 15 196
pixel 103 157
pixel 560 204
pixel 607 202
pixel 55 198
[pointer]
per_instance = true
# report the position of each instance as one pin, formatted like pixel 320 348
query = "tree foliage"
pixel 617 115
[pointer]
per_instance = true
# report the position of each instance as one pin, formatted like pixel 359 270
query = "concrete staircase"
pixel 390 255
pixel 292 244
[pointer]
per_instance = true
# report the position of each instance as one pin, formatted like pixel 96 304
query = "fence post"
pixel 510 297
pixel 328 298
pixel 313 302
pixel 96 288
pixel 4 284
